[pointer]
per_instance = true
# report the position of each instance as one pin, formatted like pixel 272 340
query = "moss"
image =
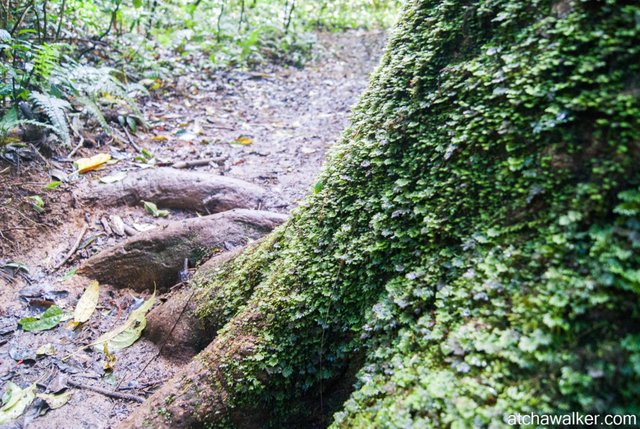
pixel 474 236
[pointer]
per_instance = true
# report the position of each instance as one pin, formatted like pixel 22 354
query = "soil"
pixel 270 127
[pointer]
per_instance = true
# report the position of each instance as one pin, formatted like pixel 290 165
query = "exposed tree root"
pixel 156 257
pixel 174 326
pixel 198 393
pixel 171 188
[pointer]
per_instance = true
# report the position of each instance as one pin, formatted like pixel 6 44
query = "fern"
pixel 10 120
pixel 55 109
pixel 46 60
pixel 95 83
pixel 92 108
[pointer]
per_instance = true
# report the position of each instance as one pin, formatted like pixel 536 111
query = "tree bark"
pixel 470 246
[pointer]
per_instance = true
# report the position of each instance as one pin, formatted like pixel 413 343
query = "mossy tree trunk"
pixel 471 249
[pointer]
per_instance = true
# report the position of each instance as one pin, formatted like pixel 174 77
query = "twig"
pixel 62 6
pixel 221 127
pixel 75 149
pixel 19 21
pixel 73 249
pixel 198 162
pixel 105 392
pixel 131 142
pixel 35 149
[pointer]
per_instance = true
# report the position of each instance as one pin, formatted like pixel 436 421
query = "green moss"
pixel 475 237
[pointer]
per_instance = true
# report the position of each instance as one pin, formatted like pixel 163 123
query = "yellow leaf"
pixel 126 334
pixel 55 401
pixel 87 303
pixel 87 164
pixel 159 138
pixel 244 140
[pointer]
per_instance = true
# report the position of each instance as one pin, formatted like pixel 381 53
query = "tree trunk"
pixel 471 246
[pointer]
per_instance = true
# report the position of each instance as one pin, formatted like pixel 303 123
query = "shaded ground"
pixel 286 118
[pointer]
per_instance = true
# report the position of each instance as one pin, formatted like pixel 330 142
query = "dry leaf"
pixel 15 401
pixel 55 401
pixel 114 177
pixel 244 140
pixel 87 303
pixel 87 164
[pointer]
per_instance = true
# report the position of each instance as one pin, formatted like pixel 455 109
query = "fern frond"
pixel 55 109
pixel 133 88
pixel 92 108
pixel 10 120
pixel 46 60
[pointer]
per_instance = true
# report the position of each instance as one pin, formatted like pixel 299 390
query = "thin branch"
pixel 105 392
pixel 62 8
pixel 218 33
pixel 288 21
pixel 73 249
pixel 19 21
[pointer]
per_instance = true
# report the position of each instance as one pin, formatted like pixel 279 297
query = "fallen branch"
pixel 73 249
pixel 131 142
pixel 78 146
pixel 199 162
pixel 105 392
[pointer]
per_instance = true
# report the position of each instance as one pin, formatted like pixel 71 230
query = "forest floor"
pixel 270 127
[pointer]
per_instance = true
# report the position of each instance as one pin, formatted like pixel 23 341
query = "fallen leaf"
pixel 243 140
pixel 109 359
pixel 46 349
pixel 143 227
pixel 53 185
pixel 114 177
pixel 187 137
pixel 16 266
pixel 47 320
pixel 197 128
pixel 69 274
pixel 37 203
pixel 58 174
pixel 127 334
pixel 154 211
pixel 55 401
pixel 307 150
pixel 87 303
pixel 87 164
pixel 15 400
pixel 159 138
pixel 117 225
pixel 146 154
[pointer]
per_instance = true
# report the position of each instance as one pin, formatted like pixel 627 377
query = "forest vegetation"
pixel 468 251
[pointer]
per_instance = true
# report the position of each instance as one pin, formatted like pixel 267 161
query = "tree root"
pixel 174 326
pixel 156 257
pixel 171 188
pixel 198 393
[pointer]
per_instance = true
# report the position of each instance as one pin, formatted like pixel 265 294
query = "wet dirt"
pixel 270 127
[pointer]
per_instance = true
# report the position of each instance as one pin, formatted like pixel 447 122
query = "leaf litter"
pixel 295 112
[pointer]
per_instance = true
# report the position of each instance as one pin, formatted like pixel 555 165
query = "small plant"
pixel 36 202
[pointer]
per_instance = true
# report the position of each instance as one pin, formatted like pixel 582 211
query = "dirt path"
pixel 270 128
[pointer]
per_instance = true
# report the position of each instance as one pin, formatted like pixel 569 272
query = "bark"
pixel 156 257
pixel 198 393
pixel 471 244
pixel 174 325
pixel 171 188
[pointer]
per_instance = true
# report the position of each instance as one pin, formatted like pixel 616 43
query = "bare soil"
pixel 270 128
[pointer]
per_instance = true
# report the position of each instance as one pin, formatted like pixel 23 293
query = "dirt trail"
pixel 286 118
